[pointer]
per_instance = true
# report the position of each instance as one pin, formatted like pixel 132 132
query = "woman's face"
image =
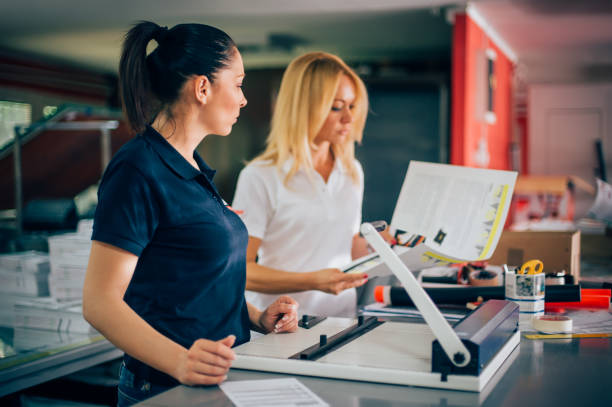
pixel 339 122
pixel 226 97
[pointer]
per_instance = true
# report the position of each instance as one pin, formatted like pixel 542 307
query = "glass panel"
pixel 12 114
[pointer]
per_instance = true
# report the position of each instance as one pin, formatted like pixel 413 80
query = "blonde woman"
pixel 301 198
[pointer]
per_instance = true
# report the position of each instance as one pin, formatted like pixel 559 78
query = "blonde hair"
pixel 304 101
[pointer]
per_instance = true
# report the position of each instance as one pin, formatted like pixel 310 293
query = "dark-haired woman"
pixel 166 274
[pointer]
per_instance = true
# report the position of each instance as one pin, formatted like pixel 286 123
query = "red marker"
pixel 237 212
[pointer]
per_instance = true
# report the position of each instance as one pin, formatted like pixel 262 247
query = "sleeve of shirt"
pixel 358 220
pixel 126 215
pixel 253 198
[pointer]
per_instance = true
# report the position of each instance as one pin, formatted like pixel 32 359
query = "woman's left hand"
pixel 280 316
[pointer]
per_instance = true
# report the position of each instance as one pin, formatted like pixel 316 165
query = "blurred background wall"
pixel 448 82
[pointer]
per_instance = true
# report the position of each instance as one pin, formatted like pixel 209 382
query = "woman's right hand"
pixel 206 362
pixel 334 281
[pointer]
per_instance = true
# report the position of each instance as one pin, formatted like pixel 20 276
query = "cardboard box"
pixel 557 250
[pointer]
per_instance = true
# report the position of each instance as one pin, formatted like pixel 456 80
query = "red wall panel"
pixel 468 128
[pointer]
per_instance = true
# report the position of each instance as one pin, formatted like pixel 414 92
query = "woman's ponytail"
pixel 135 86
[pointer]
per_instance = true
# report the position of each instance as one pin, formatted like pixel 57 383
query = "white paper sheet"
pixel 466 205
pixel 372 264
pixel 273 392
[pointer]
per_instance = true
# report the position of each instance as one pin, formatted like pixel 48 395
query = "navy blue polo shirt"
pixel 190 277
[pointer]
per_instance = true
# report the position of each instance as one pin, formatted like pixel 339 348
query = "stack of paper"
pixel 44 291
pixel 7 305
pixel 85 227
pixel 51 314
pixel 381 310
pixel 28 340
pixel 69 254
pixel 24 273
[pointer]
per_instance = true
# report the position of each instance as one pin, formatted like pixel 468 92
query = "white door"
pixel 565 121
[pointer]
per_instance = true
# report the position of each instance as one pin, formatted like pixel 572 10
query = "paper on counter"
pixel 378 309
pixel 583 321
pixel 273 392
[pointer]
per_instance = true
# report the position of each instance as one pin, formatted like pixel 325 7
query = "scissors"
pixel 531 267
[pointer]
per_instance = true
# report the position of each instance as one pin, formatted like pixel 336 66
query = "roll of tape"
pixel 552 324
pixel 482 278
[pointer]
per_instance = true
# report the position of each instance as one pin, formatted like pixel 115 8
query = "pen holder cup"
pixel 527 291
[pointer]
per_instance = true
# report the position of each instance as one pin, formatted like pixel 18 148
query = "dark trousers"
pixel 132 389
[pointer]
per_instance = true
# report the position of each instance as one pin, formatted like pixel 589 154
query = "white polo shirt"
pixel 305 226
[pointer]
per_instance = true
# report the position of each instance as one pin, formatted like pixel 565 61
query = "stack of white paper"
pixel 51 314
pixel 30 261
pixel 85 227
pixel 24 273
pixel 24 340
pixel 69 254
pixel 378 309
pixel 44 291
pixel 7 305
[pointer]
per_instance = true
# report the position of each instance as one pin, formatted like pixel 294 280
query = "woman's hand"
pixel 387 237
pixel 334 281
pixel 206 362
pixel 280 316
pixel 361 247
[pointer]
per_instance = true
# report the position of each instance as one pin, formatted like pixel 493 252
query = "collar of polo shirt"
pixel 289 162
pixel 175 160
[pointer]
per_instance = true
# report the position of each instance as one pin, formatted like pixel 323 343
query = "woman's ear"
pixel 201 88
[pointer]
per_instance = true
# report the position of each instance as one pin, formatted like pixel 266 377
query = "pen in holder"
pixel 525 286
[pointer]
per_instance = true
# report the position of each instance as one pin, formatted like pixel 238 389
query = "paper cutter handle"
pixel 450 342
